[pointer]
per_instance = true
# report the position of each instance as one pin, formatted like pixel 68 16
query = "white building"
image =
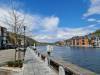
pixel 97 41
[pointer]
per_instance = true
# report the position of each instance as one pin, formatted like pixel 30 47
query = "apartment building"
pixel 68 42
pixel 90 40
pixel 84 42
pixel 3 37
pixel 97 41
pixel 79 41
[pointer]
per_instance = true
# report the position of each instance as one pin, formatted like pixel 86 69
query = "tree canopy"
pixel 97 32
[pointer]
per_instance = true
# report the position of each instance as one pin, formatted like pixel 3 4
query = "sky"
pixel 53 20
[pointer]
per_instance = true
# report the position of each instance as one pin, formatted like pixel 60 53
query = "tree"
pixel 97 32
pixel 15 21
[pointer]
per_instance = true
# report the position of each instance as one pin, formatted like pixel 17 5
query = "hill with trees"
pixel 97 32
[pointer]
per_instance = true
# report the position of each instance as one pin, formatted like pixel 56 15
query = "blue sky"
pixel 53 20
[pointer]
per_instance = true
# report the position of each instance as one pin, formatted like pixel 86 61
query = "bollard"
pixel 37 54
pixel 40 56
pixel 61 70
pixel 46 61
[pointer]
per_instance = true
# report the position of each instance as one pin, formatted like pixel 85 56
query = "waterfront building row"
pixel 90 40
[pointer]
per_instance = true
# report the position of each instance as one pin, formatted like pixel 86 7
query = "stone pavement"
pixel 34 66
pixel 6 55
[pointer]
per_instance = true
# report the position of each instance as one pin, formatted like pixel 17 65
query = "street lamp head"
pixel 24 27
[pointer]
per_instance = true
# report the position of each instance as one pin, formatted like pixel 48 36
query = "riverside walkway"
pixel 34 66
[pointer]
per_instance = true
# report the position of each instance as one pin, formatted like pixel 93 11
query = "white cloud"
pixel 45 37
pixel 49 23
pixel 67 33
pixel 94 8
pixel 91 19
pixel 46 28
pixel 91 26
pixel 32 22
pixel 3 13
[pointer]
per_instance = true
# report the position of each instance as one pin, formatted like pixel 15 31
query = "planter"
pixel 17 63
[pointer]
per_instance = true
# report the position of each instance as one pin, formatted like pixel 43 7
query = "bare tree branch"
pixel 15 21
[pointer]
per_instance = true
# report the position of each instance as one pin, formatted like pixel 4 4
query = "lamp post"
pixel 34 47
pixel 49 50
pixel 24 40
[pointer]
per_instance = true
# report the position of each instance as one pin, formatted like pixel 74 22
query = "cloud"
pixel 66 33
pixel 45 38
pixel 93 9
pixel 96 21
pixel 49 23
pixel 3 13
pixel 91 19
pixel 46 28
pixel 92 12
pixel 30 21
pixel 33 23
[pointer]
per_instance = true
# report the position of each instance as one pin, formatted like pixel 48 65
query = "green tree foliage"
pixel 97 32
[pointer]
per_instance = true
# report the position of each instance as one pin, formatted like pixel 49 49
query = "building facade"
pixel 78 41
pixel 3 37
pixel 97 41
pixel 90 40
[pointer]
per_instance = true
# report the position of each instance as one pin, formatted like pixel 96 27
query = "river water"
pixel 88 58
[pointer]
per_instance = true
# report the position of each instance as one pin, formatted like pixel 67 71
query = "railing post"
pixel 36 54
pixel 46 61
pixel 40 56
pixel 61 70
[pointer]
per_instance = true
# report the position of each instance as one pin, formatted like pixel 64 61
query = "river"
pixel 88 58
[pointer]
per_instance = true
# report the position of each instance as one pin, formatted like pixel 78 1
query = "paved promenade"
pixel 6 55
pixel 34 66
